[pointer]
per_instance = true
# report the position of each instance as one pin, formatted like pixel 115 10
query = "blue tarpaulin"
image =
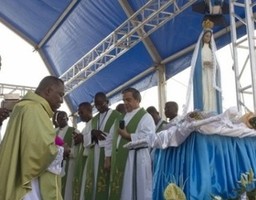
pixel 64 31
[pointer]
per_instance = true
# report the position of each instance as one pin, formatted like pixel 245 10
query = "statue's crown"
pixel 207 24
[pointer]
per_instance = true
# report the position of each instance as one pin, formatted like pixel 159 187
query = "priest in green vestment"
pixel 85 114
pixel 28 147
pixel 97 169
pixel 131 170
pixel 67 133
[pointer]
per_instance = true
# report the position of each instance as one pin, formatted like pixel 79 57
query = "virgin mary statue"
pixel 205 73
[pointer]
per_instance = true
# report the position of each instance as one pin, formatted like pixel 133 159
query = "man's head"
pixel 62 119
pixel 131 98
pixel 51 89
pixel 121 108
pixel 85 111
pixel 154 113
pixel 101 102
pixel 171 109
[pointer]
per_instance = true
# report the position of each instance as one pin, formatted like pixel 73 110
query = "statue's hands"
pixel 208 64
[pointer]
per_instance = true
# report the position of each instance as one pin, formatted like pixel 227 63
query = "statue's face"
pixel 207 37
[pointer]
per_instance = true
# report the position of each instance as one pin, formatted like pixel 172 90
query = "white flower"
pixel 217 198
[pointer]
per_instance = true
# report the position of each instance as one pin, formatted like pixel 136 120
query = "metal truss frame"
pixel 245 87
pixel 12 89
pixel 141 24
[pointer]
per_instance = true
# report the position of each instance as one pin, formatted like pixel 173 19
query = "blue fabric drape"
pixel 205 165
pixel 197 83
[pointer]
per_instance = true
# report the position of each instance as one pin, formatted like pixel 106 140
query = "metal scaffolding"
pixel 244 66
pixel 14 89
pixel 141 24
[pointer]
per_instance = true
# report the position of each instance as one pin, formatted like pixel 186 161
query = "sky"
pixel 21 65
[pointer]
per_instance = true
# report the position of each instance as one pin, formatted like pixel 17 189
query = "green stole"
pixel 78 172
pixel 119 157
pixel 67 139
pixel 160 128
pixel 102 180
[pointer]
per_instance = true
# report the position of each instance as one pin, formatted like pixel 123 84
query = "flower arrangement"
pixel 244 191
pixel 249 119
pixel 198 115
pixel 252 122
pixel 174 192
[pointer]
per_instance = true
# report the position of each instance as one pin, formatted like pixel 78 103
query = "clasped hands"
pixel 97 135
pixel 208 64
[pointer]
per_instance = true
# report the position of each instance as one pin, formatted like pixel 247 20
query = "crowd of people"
pixel 49 159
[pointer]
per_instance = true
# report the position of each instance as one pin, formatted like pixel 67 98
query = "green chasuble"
pixel 102 180
pixel 119 157
pixel 67 139
pixel 27 150
pixel 78 172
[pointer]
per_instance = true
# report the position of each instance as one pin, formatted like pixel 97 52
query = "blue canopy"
pixel 64 31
